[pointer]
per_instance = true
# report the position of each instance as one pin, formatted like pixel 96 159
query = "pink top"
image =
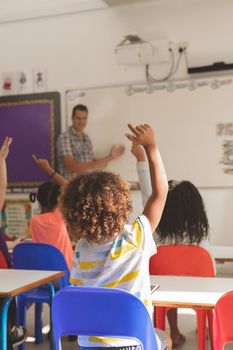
pixel 50 228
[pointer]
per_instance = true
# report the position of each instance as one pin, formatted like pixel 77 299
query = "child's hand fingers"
pixel 34 158
pixel 4 148
pixel 140 128
pixel 134 131
pixel 131 137
pixel 145 127
pixel 7 141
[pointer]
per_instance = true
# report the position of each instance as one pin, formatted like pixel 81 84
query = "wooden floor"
pixel 187 322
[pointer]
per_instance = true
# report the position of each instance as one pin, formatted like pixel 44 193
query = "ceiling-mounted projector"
pixel 138 53
pixel 133 50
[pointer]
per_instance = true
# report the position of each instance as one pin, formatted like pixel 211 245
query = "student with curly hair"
pixel 110 252
pixel 183 221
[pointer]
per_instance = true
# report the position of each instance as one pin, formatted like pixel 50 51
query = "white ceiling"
pixel 123 2
pixel 15 10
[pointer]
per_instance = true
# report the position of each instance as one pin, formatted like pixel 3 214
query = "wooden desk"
pixel 222 254
pixel 189 292
pixel 14 282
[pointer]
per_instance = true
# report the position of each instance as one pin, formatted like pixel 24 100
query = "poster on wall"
pixel 15 217
pixel 39 78
pixel 8 83
pixel 225 132
pixel 24 82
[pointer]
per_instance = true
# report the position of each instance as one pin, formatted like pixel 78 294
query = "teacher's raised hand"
pixel 117 151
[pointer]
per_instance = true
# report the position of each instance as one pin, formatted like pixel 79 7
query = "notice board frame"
pixel 34 123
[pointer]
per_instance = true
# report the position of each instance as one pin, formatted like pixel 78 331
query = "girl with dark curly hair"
pixel 110 252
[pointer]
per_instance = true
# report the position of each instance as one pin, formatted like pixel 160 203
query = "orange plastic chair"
pixel 222 323
pixel 184 260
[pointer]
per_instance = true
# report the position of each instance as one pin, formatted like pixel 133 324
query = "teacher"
pixel 74 147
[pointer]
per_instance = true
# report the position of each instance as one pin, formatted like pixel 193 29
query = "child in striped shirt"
pixel 109 251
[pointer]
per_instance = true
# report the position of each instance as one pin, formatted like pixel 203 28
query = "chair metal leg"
pixel 21 315
pixel 3 320
pixel 51 295
pixel 38 323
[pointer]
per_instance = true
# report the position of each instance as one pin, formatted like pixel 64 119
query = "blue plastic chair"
pixel 38 256
pixel 101 312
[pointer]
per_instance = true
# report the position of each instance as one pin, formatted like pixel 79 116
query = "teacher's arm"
pixel 75 166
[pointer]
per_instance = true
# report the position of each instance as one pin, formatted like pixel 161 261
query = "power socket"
pixel 182 45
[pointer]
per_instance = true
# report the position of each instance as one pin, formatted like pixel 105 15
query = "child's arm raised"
pixel 4 150
pixel 143 171
pixel 44 165
pixel 143 134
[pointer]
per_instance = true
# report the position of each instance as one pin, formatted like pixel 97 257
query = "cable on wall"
pixel 151 79
pixel 173 68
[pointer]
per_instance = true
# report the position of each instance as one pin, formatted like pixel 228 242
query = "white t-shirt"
pixel 122 263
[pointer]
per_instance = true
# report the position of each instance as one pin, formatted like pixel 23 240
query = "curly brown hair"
pixel 96 206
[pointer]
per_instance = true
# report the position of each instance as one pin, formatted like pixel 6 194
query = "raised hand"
pixel 142 134
pixel 43 164
pixel 117 151
pixel 4 150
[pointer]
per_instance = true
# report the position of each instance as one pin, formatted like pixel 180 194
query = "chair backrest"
pixel 223 319
pixel 41 256
pixel 91 311
pixel 4 249
pixel 3 263
pixel 185 260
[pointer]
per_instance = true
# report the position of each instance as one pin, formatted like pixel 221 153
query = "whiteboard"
pixel 191 128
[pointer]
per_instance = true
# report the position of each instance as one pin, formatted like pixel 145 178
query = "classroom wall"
pixel 78 52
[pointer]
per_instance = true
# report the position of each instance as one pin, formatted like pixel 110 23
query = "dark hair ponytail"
pixel 47 195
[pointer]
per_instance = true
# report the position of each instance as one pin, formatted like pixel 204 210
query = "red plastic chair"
pixel 184 260
pixel 222 323
pixel 3 263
